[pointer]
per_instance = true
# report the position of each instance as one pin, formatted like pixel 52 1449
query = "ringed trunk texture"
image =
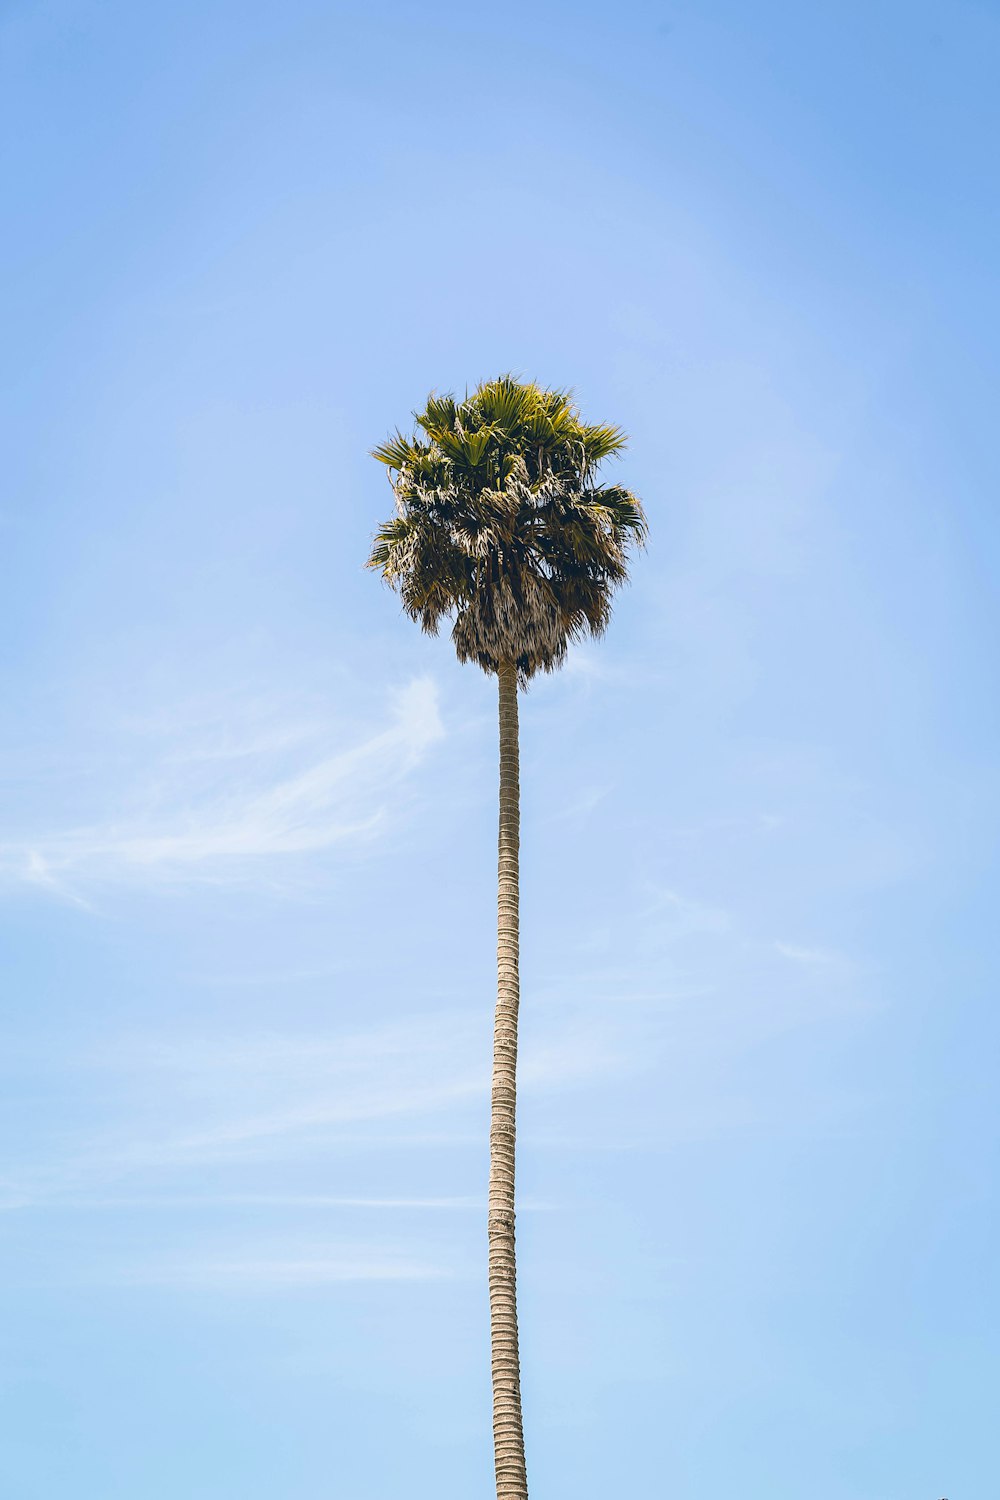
pixel 508 1436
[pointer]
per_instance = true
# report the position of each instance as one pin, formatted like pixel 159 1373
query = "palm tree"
pixel 502 528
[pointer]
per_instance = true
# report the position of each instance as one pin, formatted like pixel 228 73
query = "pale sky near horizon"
pixel 247 812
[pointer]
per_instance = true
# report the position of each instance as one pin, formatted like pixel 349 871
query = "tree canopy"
pixel 502 525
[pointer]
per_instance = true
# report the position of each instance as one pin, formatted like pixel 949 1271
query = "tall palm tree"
pixel 502 528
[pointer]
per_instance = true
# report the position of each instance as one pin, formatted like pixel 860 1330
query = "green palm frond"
pixel 602 441
pixel 553 423
pixel 476 446
pixel 623 509
pixel 505 404
pixel 455 447
pixel 390 538
pixel 438 415
pixel 398 451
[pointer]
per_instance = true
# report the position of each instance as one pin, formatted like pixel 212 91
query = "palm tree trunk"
pixel 508 1436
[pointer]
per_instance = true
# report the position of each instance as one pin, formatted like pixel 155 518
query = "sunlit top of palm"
pixel 502 526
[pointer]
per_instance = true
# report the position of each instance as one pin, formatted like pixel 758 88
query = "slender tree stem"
pixel 508 1435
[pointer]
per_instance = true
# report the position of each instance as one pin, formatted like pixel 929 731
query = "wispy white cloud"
pixel 584 663
pixel 184 824
pixel 669 916
pixel 582 806
pixel 205 1200
pixel 316 1266
pixel 817 957
pixel 308 1088
pixel 276 979
pixel 176 1106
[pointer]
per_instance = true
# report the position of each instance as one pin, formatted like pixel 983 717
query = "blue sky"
pixel 247 825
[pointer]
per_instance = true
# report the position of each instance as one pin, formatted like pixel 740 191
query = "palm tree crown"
pixel 502 526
